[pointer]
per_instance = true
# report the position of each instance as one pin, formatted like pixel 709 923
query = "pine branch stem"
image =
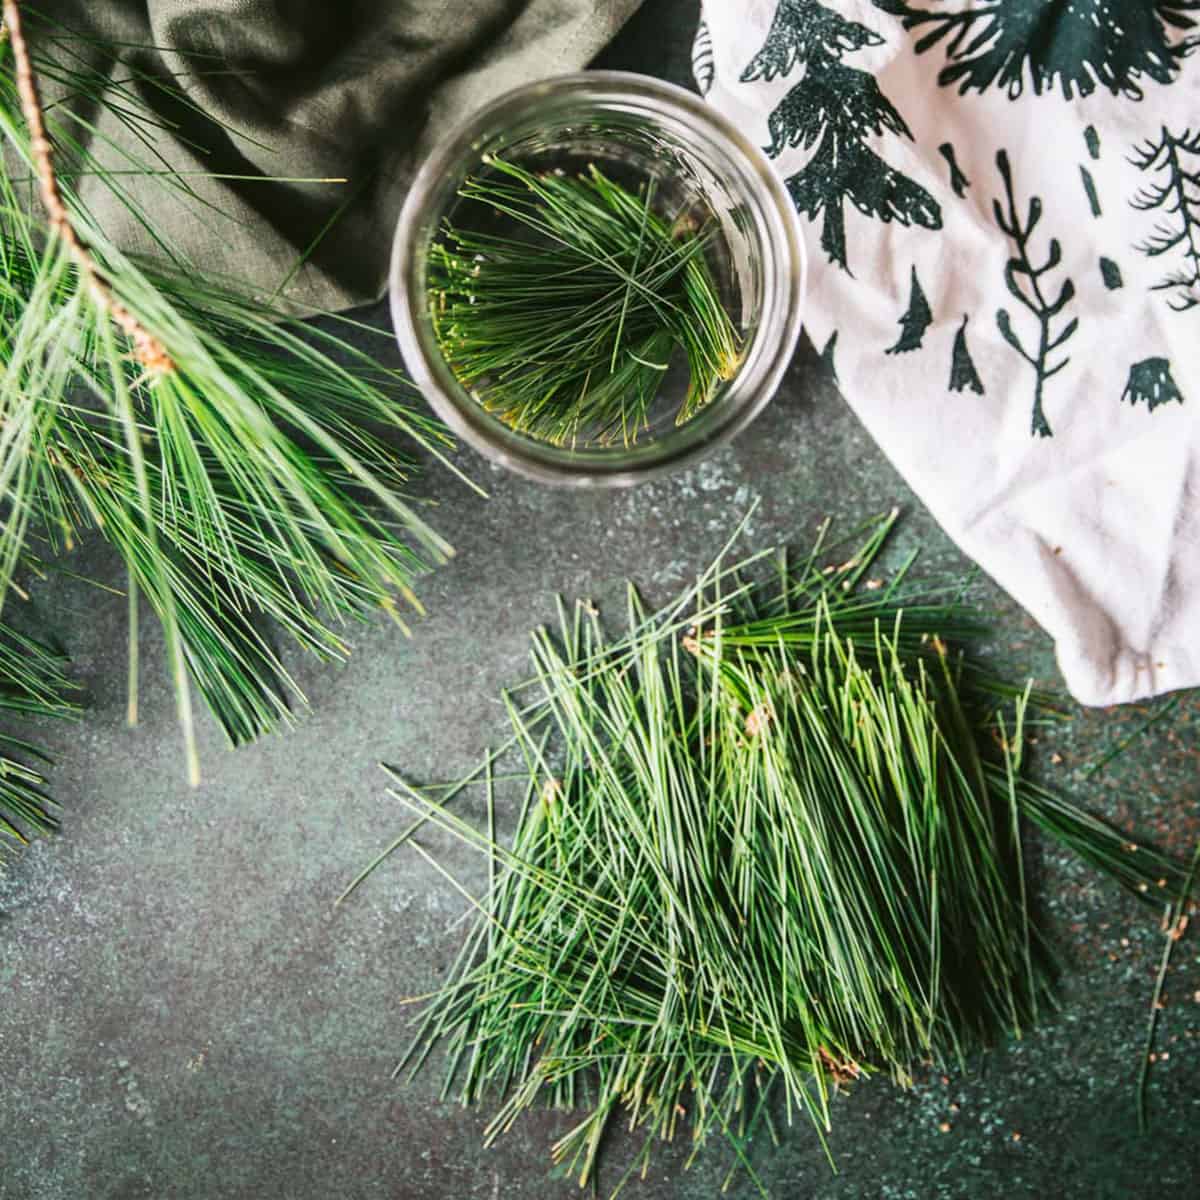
pixel 148 350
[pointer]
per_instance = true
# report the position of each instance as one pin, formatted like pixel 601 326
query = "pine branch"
pixel 247 471
pixel 147 348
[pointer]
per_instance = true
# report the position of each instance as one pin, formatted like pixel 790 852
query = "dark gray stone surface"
pixel 184 1016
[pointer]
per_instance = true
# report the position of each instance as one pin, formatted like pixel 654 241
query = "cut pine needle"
pixel 565 319
pixel 766 852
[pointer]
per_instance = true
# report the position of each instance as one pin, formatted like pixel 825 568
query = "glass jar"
pixel 699 162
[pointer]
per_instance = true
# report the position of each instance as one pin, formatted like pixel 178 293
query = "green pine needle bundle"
pixel 566 322
pixel 771 842
pixel 253 476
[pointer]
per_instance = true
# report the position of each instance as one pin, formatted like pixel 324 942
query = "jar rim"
pixel 768 354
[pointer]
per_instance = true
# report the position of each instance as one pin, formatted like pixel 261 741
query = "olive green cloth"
pixel 302 88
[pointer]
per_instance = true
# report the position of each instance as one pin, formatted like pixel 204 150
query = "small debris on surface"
pixel 944 1127
pixel 758 720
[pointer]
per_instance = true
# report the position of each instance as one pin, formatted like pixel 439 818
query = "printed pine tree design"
pixel 1078 45
pixel 832 111
pixel 704 65
pixel 1150 383
pixel 1026 283
pixel 958 180
pixel 1089 189
pixel 962 368
pixel 1110 270
pixel 827 355
pixel 916 319
pixel 1176 159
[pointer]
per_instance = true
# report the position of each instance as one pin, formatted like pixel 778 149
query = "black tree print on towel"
pixel 827 355
pixel 958 181
pixel 832 111
pixel 1174 161
pixel 704 66
pixel 916 319
pixel 1028 284
pixel 1078 45
pixel 1150 383
pixel 1110 271
pixel 1089 189
pixel 962 368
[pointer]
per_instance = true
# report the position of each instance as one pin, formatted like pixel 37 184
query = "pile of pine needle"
pixel 772 840
pixel 565 319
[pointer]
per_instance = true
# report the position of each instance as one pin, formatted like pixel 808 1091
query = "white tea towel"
pixel 1003 203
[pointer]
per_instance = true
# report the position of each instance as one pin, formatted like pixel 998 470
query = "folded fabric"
pixel 1002 199
pixel 307 89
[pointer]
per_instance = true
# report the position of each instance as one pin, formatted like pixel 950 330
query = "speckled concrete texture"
pixel 184 1015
